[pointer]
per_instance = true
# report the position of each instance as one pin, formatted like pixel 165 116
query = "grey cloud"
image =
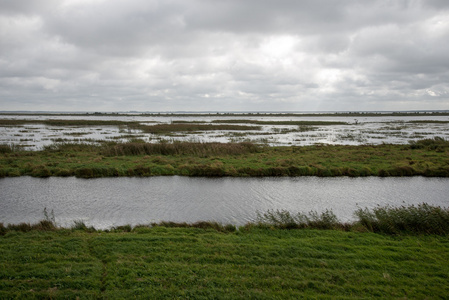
pixel 210 54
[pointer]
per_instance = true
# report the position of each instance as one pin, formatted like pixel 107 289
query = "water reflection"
pixel 357 131
pixel 107 202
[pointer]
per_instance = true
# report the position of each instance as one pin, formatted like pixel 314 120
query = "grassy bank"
pixel 424 158
pixel 253 263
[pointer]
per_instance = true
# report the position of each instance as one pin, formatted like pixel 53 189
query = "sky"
pixel 227 55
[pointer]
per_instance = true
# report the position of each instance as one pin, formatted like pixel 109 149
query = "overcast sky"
pixel 227 55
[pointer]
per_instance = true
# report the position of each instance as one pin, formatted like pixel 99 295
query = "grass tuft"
pixel 179 148
pixel 437 144
pixel 283 219
pixel 422 218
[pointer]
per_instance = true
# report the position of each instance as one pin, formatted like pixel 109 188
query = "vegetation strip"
pixel 192 127
pixel 240 114
pixel 260 122
pixel 201 262
pixel 422 158
pixel 55 122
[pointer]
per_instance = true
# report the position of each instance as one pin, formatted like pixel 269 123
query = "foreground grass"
pixel 424 158
pixel 252 263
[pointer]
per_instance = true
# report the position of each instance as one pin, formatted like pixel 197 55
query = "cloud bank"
pixel 210 55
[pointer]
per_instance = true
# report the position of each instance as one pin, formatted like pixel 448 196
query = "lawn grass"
pixel 252 263
pixel 423 158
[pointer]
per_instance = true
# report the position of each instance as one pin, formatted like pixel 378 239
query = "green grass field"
pixel 423 158
pixel 252 263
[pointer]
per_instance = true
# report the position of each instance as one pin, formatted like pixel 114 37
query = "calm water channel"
pixel 108 202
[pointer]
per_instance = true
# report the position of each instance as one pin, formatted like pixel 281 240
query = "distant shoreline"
pixel 237 113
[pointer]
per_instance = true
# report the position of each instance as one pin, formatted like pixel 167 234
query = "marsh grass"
pixel 47 224
pixel 436 143
pixel 6 148
pixel 428 122
pixel 200 224
pixel 54 122
pixel 422 218
pixel 300 123
pixel 284 219
pixel 411 219
pixel 80 225
pixel 109 159
pixel 179 148
pixel 189 127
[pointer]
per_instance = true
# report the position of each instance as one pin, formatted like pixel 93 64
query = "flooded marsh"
pixel 33 132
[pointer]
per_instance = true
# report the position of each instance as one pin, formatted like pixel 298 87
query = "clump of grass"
pixel 285 220
pixel 63 122
pixel 95 172
pixel 122 228
pixel 70 146
pixel 200 224
pixel 189 127
pixel 423 218
pixel 437 144
pixel 47 224
pixel 300 123
pixel 6 149
pixel 43 225
pixel 80 225
pixel 179 148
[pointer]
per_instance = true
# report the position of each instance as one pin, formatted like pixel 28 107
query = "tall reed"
pixel 422 218
pixel 179 148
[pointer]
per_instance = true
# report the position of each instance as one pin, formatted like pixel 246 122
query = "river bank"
pixel 205 263
pixel 422 158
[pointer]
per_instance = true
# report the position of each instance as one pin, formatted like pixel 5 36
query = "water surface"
pixel 107 202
